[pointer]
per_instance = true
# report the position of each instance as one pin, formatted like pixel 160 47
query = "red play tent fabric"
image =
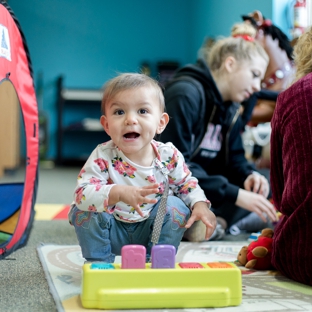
pixel 15 66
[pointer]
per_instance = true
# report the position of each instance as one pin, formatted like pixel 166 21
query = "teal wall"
pixel 214 18
pixel 90 41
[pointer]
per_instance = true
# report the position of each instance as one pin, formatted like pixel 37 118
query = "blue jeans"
pixel 101 236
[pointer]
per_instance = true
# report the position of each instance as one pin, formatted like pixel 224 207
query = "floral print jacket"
pixel 108 166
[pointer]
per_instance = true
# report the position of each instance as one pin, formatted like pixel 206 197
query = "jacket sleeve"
pixel 267 95
pixel 291 179
pixel 183 107
pixel 239 168
pixel 217 188
pixel 276 148
pixel 291 150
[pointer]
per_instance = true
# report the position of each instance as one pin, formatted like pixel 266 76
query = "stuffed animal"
pixel 257 255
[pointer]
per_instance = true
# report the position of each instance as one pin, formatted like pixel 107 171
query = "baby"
pixel 120 186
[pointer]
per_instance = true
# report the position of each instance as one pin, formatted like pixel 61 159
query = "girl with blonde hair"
pixel 205 126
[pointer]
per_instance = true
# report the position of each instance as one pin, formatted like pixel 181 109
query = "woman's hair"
pixel 238 47
pixel 303 54
pixel 128 81
pixel 283 41
pixel 271 30
pixel 243 29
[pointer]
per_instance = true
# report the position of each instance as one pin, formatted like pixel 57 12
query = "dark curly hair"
pixel 276 33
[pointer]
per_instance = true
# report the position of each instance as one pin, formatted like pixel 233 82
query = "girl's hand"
pixel 257 183
pixel 202 212
pixel 256 203
pixel 134 196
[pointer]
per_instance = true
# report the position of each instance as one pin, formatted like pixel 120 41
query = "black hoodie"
pixel 207 132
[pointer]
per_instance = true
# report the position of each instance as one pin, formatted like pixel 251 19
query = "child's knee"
pixel 79 218
pixel 88 220
pixel 178 212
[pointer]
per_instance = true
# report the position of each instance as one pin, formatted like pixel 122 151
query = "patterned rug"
pixel 262 290
pixel 51 211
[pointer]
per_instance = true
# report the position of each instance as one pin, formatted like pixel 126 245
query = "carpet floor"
pixel 24 286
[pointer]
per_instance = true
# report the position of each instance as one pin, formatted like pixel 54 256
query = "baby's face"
pixel 132 118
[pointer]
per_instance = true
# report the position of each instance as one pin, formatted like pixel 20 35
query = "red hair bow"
pixel 245 37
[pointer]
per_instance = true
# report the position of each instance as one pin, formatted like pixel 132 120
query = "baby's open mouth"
pixel 131 135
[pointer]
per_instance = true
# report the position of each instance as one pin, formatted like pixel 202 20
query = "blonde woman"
pixel 205 126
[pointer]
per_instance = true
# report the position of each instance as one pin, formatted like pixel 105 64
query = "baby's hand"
pixel 203 213
pixel 135 196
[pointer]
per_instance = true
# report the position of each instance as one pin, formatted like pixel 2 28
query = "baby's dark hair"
pixel 128 81
pixel 274 31
pixel 283 40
